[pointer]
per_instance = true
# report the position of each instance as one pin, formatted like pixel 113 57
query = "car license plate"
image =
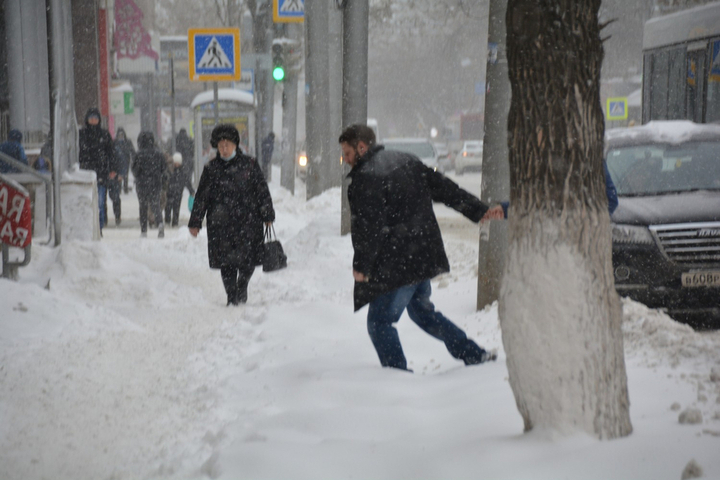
pixel 701 279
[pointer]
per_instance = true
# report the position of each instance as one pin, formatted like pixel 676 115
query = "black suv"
pixel 666 229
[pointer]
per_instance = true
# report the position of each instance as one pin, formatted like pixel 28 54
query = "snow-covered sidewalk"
pixel 119 360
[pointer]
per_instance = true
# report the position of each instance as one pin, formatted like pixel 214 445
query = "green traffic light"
pixel 278 73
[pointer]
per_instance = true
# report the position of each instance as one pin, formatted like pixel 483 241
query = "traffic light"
pixel 278 71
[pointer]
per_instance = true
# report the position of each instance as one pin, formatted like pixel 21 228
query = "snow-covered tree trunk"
pixel 560 315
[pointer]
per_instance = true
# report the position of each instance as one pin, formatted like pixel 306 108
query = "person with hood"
pixel 398 245
pixel 177 182
pixel 148 169
pixel 267 147
pixel 43 163
pixel 186 147
pixel 235 197
pixel 97 154
pixel 124 153
pixel 13 148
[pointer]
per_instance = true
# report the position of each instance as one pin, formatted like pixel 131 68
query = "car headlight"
pixel 302 160
pixel 631 234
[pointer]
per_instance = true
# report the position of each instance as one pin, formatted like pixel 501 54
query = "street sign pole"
pixel 172 105
pixel 216 103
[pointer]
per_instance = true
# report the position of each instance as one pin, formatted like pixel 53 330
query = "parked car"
pixel 445 161
pixel 666 229
pixel 420 147
pixel 469 157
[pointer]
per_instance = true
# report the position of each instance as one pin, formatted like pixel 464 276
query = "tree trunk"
pixel 560 316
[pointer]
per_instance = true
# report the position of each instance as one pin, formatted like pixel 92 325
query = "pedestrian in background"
pixel 124 153
pixel 148 169
pixel 43 163
pixel 177 182
pixel 186 147
pixel 266 150
pixel 13 148
pixel 235 197
pixel 398 245
pixel 97 154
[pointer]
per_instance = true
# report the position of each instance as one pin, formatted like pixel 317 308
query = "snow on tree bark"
pixel 560 315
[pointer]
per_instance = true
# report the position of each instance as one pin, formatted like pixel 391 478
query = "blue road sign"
pixel 214 54
pixel 286 11
pixel 617 108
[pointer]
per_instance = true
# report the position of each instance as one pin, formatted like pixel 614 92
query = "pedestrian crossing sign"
pixel 288 11
pixel 214 54
pixel 617 108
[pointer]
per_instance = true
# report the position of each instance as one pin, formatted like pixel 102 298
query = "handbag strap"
pixel 269 235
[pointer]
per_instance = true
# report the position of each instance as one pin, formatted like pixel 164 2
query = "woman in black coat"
pixel 234 195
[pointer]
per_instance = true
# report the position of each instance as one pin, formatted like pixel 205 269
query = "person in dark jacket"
pixel 124 154
pixel 186 147
pixel 267 147
pixel 97 154
pixel 235 197
pixel 148 169
pixel 13 148
pixel 177 182
pixel 398 245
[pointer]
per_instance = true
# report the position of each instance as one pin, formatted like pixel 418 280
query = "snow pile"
pixel 129 365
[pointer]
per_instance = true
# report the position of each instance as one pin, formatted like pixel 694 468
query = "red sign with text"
pixel 15 215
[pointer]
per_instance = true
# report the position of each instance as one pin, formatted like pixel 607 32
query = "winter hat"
pixel 224 131
pixel 92 112
pixel 15 135
pixel 177 158
pixel 146 140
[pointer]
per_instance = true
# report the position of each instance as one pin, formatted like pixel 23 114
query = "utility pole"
pixel 264 83
pixel 355 78
pixel 172 103
pixel 335 61
pixel 495 167
pixel 317 116
pixel 293 67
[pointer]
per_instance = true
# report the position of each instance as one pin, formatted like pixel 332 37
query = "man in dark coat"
pixel 235 197
pixel 148 169
pixel 13 148
pixel 398 245
pixel 267 147
pixel 124 154
pixel 97 154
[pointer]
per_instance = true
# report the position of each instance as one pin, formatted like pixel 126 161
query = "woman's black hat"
pixel 224 131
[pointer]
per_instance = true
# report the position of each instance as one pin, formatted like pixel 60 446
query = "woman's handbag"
pixel 274 257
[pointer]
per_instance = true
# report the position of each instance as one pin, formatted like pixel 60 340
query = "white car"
pixel 420 147
pixel 469 157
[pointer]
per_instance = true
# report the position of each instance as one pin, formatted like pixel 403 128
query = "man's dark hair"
pixel 357 133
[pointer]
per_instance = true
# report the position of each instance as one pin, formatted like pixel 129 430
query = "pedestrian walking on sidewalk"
pixel 124 154
pixel 97 154
pixel 398 246
pixel 235 197
pixel 177 182
pixel 148 169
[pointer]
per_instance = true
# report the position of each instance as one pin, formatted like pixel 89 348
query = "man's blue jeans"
pixel 102 205
pixel 386 310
